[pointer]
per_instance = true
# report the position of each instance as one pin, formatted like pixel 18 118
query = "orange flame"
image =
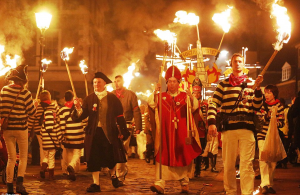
pixel 10 62
pixel 83 67
pixel 128 76
pixel 222 19
pixel 65 53
pixel 283 25
pixel 186 18
pixel 45 64
pixel 165 35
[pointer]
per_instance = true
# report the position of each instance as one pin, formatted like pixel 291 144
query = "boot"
pixel 51 174
pixel 206 162
pixel 10 188
pixel 148 153
pixel 198 161
pixel 213 164
pixel 43 170
pixel 19 186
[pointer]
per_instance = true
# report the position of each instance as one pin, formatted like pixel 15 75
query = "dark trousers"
pixel 101 154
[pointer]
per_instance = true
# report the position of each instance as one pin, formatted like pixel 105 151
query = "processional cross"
pixel 175 120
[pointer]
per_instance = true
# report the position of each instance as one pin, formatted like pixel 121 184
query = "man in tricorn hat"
pixel 103 147
pixel 177 155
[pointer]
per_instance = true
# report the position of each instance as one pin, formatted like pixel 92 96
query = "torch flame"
pixel 283 23
pixel 222 19
pixel 186 18
pixel 45 61
pixel 45 64
pixel 83 67
pixel 165 35
pixel 147 93
pixel 65 53
pixel 128 76
pixel 10 62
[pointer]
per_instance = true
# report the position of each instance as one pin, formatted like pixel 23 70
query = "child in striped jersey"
pixel 73 136
pixel 49 133
pixel 267 168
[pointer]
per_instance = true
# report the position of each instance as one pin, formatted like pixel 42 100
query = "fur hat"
pixel 102 76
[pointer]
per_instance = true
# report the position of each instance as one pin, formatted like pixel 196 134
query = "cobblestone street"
pixel 141 176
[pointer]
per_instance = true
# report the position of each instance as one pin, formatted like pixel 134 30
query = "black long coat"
pixel 114 116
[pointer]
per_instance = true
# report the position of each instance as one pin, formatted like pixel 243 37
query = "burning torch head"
pixel 18 74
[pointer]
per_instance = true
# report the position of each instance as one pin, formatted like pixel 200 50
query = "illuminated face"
pixel 119 82
pixel 269 96
pixel 173 85
pixel 237 64
pixel 99 84
pixel 197 94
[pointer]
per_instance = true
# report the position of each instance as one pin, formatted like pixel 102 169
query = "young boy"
pixel 267 168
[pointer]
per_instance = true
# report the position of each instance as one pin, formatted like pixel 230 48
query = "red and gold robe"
pixel 175 151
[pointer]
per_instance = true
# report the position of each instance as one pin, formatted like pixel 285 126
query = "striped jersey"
pixel 226 95
pixel 265 113
pixel 50 131
pixel 23 107
pixel 72 132
pixel 33 121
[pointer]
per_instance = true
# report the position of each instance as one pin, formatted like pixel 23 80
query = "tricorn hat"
pixel 20 72
pixel 173 71
pixel 102 76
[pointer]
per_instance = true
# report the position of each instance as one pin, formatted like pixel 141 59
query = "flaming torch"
pixel 84 70
pixel 65 57
pixel 284 32
pixel 222 20
pixel 44 67
pixel 128 76
pixel 190 18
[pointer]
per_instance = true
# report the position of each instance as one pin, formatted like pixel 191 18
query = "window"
pixel 286 72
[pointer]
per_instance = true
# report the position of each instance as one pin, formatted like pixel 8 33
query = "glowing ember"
pixel 283 25
pixel 45 64
pixel 165 35
pixel 186 18
pixel 128 76
pixel 65 53
pixel 83 67
pixel 222 19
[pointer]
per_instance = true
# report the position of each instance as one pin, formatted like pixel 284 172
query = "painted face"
pixel 237 64
pixel 269 96
pixel 197 94
pixel 173 85
pixel 99 84
pixel 119 82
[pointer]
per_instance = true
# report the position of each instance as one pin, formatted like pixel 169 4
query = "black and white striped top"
pixel 225 97
pixel 23 108
pixel 33 121
pixel 265 112
pixel 51 134
pixel 72 132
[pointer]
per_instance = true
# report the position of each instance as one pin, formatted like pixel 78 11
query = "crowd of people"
pixel 183 131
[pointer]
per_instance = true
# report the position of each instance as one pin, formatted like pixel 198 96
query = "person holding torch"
pixel 237 119
pixel 106 128
pixel 176 155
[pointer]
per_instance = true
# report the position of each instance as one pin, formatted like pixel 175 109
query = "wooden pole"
pixel 267 66
pixel 221 42
pixel 70 77
pixel 38 90
pixel 86 86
